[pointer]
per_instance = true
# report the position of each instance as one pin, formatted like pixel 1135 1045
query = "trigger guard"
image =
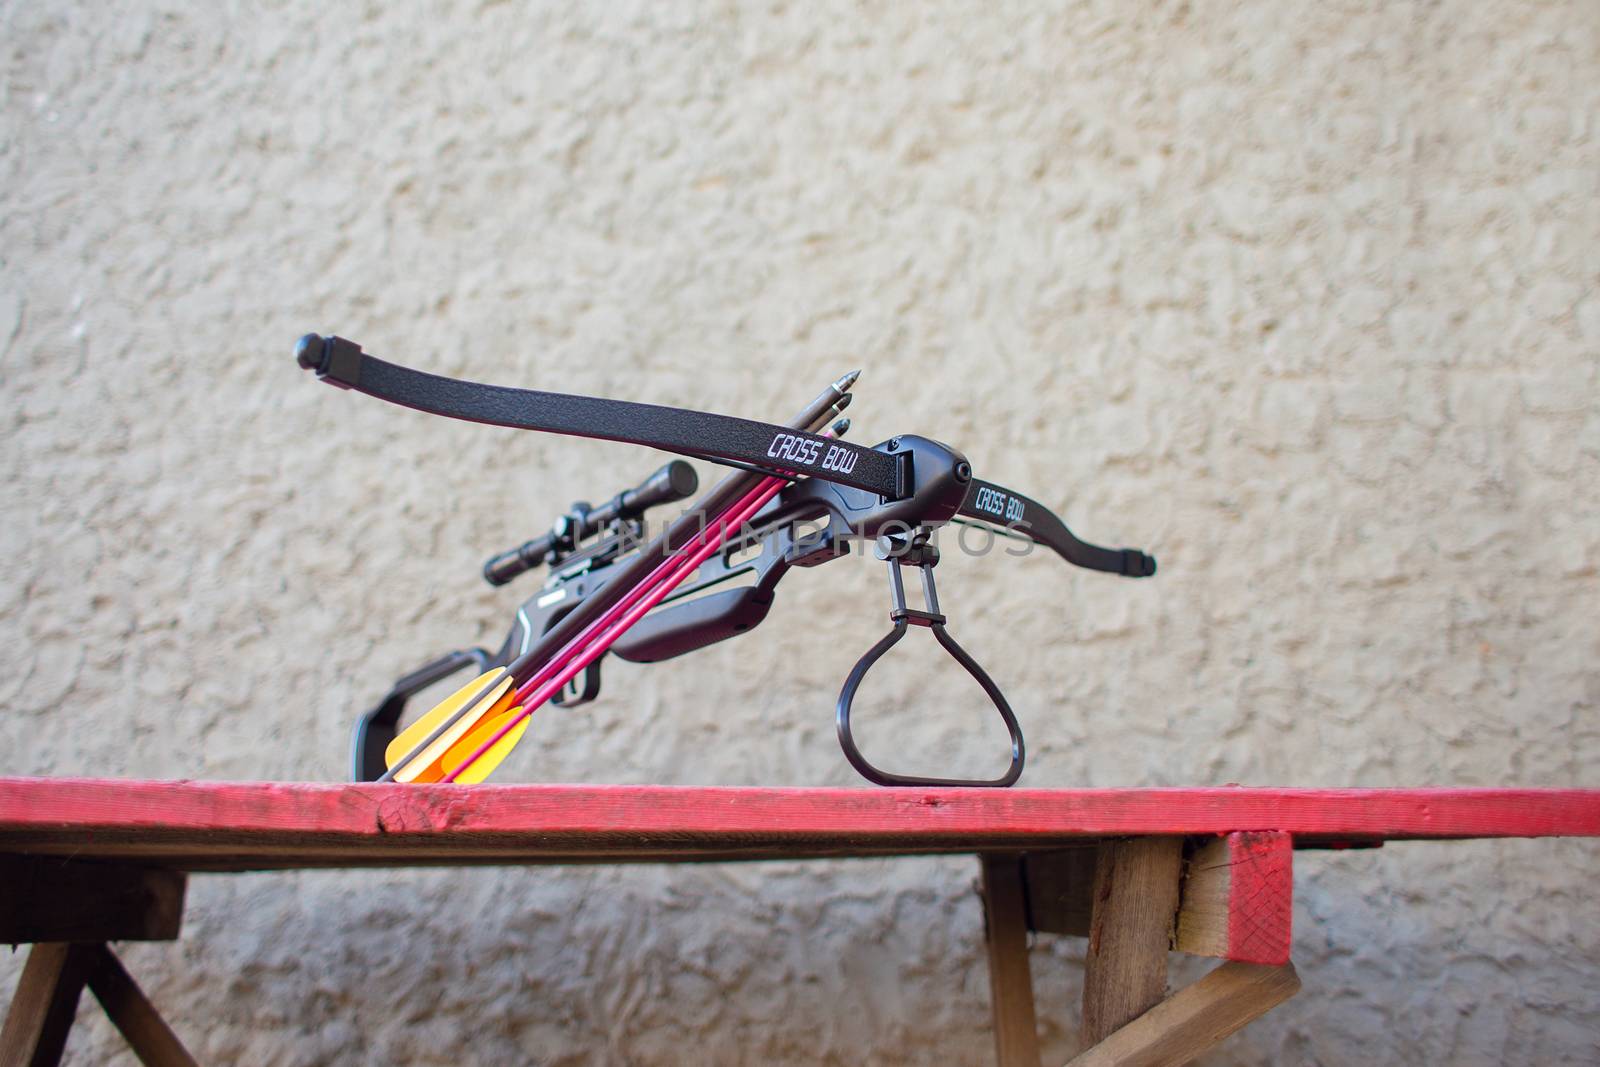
pixel 582 689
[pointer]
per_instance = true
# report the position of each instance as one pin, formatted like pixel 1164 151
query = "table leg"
pixel 43 1006
pixel 141 1025
pixel 1010 982
pixel 1130 931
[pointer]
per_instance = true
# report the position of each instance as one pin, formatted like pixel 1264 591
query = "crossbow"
pixel 799 496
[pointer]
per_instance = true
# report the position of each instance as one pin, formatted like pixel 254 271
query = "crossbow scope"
pixel 676 481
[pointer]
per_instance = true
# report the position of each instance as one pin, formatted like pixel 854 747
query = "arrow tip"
pixel 844 383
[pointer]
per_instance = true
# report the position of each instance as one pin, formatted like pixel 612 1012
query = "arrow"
pixel 495 745
pixel 479 716
pixel 440 737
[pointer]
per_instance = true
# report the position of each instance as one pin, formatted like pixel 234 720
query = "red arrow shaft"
pixel 593 641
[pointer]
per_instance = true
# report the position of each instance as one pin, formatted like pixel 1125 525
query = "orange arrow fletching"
pixel 481 767
pixel 487 696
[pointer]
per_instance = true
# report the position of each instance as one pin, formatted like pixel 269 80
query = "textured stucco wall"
pixel 1300 296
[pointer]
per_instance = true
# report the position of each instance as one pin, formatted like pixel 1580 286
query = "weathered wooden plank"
pixel 42 1008
pixel 1237 901
pixel 206 825
pixel 1195 1018
pixel 1016 1034
pixel 1130 933
pixel 47 898
pixel 131 1011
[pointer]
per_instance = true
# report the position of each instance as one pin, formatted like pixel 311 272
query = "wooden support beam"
pixel 48 898
pixel 1135 898
pixel 141 1025
pixel 1195 1018
pixel 43 1006
pixel 1016 1035
pixel 1237 900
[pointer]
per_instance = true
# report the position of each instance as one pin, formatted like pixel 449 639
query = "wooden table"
pixel 1139 872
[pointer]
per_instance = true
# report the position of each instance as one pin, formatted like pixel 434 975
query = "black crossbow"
pixel 893 495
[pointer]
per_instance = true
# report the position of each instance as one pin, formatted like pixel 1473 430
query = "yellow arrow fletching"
pixel 487 762
pixel 413 735
pixel 428 765
pixel 424 767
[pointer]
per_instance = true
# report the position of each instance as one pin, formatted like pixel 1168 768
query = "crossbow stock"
pixel 800 497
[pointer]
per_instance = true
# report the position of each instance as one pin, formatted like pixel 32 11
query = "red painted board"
pixel 1260 897
pixel 228 825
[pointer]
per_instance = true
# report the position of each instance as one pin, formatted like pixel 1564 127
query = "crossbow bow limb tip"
pixel 798 497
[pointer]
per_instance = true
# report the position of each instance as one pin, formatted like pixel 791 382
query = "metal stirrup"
pixel 917 552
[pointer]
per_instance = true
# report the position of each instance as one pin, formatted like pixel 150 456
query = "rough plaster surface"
pixel 1302 297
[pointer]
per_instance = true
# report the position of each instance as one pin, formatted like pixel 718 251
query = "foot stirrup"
pixel 916 551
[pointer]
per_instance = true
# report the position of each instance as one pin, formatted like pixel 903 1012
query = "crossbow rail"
pixel 1138 871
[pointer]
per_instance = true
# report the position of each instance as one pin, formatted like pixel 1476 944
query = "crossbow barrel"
pixel 680 532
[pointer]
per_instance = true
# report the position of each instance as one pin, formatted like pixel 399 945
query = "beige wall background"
pixel 1301 297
